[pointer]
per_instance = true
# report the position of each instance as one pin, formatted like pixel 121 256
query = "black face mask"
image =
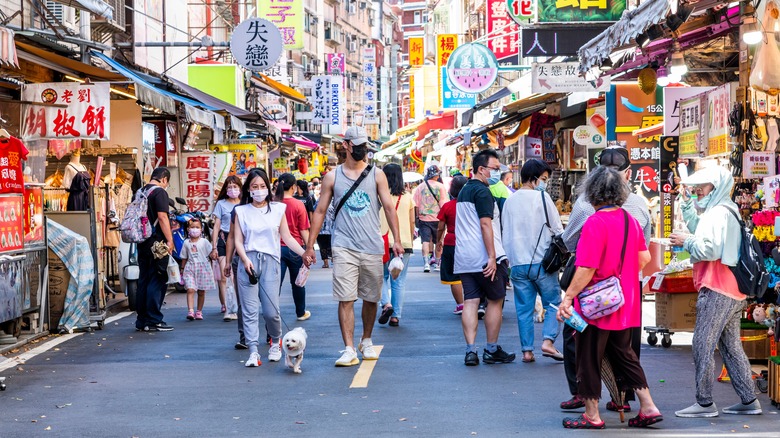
pixel 359 152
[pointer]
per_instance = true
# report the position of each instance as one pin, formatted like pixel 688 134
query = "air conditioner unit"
pixel 64 14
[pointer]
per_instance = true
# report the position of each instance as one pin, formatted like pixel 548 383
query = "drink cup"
pixel 575 321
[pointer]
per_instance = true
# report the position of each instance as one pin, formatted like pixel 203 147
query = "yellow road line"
pixel 364 371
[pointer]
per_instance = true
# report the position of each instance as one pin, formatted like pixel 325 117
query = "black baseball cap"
pixel 615 157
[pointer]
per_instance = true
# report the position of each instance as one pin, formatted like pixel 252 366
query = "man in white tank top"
pixel 357 245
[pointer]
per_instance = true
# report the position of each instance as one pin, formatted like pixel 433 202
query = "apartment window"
pixel 417 17
pixel 307 23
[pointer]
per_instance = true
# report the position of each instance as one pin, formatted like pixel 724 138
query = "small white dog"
pixel 539 310
pixel 294 344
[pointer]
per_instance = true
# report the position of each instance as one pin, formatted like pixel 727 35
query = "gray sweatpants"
pixel 717 324
pixel 265 293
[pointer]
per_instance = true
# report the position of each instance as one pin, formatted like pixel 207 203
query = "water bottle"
pixel 575 321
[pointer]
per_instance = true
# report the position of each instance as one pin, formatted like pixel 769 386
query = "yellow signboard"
pixel 411 97
pixel 416 51
pixel 288 16
pixel 445 45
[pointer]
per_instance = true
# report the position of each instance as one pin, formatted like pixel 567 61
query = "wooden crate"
pixel 774 380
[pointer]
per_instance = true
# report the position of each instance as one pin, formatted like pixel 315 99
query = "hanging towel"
pixel 73 249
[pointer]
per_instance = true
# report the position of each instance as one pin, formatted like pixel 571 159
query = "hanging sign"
pixel 288 16
pixel 563 77
pixel 33 217
pixel 472 68
pixel 416 51
pixel 369 87
pixel 672 98
pixel 758 164
pixel 533 147
pixel 336 64
pixel 591 11
pixel 11 223
pixel 337 105
pixel 452 98
pixel 520 10
pixel 256 44
pixel 504 40
pixel 86 114
pixel 320 99
pixel 691 113
pixel 198 180
pixel 718 106
pixel 445 45
pixel 669 153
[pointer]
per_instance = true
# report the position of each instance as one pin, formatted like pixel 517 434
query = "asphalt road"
pixel 191 382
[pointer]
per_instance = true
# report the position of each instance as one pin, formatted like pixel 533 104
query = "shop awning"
pixel 631 24
pixel 409 129
pixel 98 7
pixel 69 64
pixel 277 88
pixel 214 102
pixel 393 150
pixel 532 103
pixel 301 141
pixel 7 48
pixel 237 125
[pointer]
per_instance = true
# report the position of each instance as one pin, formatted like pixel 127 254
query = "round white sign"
pixel 256 44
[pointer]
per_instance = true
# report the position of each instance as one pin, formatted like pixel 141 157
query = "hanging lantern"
pixel 647 80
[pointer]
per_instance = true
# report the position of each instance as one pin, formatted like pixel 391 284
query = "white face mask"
pixel 233 193
pixel 259 195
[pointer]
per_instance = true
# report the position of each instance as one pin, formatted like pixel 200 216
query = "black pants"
pixel 595 344
pixel 323 240
pixel 152 285
pixel 293 262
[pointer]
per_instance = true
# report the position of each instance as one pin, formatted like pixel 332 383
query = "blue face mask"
pixel 495 177
pixel 703 202
pixel 542 186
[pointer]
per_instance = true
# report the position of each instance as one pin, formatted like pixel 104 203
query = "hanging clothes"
pixel 78 198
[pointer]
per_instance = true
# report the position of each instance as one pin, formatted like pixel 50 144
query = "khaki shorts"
pixel 356 275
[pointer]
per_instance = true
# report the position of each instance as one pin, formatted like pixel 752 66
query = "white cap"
pixel 357 135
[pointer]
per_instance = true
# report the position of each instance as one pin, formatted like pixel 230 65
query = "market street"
pixel 192 382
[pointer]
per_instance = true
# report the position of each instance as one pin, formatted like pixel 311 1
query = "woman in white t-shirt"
pixel 260 225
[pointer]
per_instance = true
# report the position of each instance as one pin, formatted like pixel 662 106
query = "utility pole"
pixel 393 87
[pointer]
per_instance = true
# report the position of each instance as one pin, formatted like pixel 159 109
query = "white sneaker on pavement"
pixel 348 358
pixel 253 361
pixel 274 353
pixel 698 411
pixel 366 348
pixel 427 268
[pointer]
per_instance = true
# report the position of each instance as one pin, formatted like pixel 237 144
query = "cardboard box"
pixel 59 277
pixel 774 380
pixel 755 348
pixel 676 311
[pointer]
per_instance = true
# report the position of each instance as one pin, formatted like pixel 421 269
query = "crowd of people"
pixel 483 237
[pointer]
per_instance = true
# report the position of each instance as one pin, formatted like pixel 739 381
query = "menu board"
pixel 33 217
pixel 11 223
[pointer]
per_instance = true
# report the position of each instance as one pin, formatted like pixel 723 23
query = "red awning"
pixel 446 120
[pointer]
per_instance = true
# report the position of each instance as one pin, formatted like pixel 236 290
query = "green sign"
pixel 591 11
pixel 520 10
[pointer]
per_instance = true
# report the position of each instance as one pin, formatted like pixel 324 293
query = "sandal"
pixel 612 406
pixel 393 322
pixel 642 420
pixel 557 355
pixel 581 422
pixel 529 359
pixel 386 313
pixel 574 403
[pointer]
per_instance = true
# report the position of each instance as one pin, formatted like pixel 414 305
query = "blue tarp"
pixel 73 249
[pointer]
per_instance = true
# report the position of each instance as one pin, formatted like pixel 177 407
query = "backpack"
pixel 135 226
pixel 750 272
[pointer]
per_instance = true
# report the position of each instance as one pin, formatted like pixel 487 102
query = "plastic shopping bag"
pixel 303 275
pixel 174 275
pixel 231 302
pixel 395 267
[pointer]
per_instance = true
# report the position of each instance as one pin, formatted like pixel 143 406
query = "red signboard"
pixel 504 38
pixel 33 216
pixel 198 180
pixel 11 223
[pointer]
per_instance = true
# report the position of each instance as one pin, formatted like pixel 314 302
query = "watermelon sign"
pixel 472 68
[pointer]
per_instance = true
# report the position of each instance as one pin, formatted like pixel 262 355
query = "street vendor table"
pixel 675 306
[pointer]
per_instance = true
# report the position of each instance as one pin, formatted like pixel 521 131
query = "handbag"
pixel 557 254
pixel 605 297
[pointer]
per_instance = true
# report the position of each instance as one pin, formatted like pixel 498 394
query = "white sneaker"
pixel 366 348
pixel 233 316
pixel 226 317
pixel 253 361
pixel 348 358
pixel 274 353
pixel 427 268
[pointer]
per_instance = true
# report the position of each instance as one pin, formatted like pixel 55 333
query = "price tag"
pixel 659 279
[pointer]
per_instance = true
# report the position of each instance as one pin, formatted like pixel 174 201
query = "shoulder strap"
pixel 352 189
pixel 625 243
pixel 431 190
pixel 544 206
pixel 736 216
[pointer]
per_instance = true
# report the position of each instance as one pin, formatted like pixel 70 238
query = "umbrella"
pixel 410 177
pixel 618 396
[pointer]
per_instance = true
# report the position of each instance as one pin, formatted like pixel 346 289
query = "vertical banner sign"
pixel 256 44
pixel 33 217
pixel 11 224
pixel 288 16
pixel 520 10
pixel 320 99
pixel 416 51
pixel 718 103
pixel 336 64
pixel 198 180
pixel 451 97
pixel 591 11
pixel 337 105
pixel 548 145
pixel 445 45
pixel 369 87
pixel 672 98
pixel 81 111
pixel 691 114
pixel 504 33
pixel 629 109
pixel 411 97
pixel 669 155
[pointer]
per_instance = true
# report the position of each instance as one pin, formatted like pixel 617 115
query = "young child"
pixel 196 266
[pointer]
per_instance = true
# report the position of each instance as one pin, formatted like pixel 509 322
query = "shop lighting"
pixel 662 78
pixel 642 40
pixel 654 32
pixel 752 33
pixel 115 91
pixel 674 21
pixel 678 66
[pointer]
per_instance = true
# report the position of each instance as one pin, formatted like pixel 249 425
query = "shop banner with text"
pixel 416 51
pixel 11 223
pixel 288 16
pixel 445 45
pixel 591 11
pixel 77 111
pixel 692 112
pixel 504 40
pixel 369 87
pixel 672 98
pixel 33 217
pixel 198 180
pixel 718 107
pixel 320 99
pixel 758 164
pixel 451 97
pixel 669 154
pixel 336 64
pixel 563 77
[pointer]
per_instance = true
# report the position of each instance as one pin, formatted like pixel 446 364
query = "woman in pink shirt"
pixel 611 244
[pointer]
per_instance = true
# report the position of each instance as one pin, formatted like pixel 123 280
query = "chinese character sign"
pixel 758 164
pixel 472 68
pixel 669 152
pixel 451 97
pixel 520 10
pixel 256 44
pixel 563 77
pixel 718 107
pixel 691 114
pixel 504 33
pixel 445 45
pixel 559 11
pixel 336 64
pixel 198 180
pixel 11 223
pixel 369 87
pixel 288 16
pixel 416 51
pixel 81 111
pixel 672 98
pixel 320 99
pixel 33 216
